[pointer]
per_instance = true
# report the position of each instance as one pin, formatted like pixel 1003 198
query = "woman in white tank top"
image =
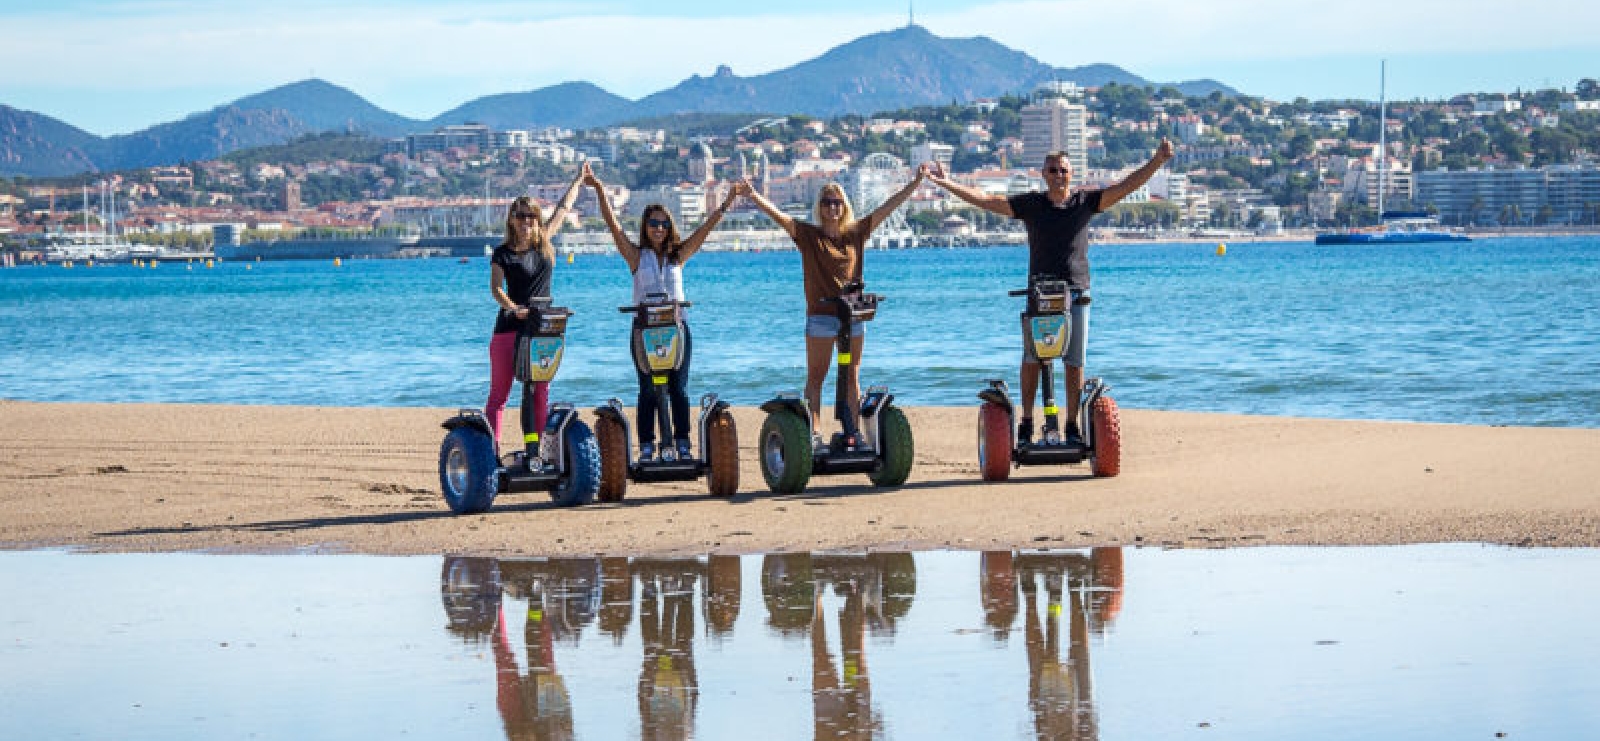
pixel 656 262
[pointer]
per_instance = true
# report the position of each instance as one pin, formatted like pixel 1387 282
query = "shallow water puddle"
pixel 1447 642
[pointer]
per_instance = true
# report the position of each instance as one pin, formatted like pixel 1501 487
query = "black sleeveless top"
pixel 527 275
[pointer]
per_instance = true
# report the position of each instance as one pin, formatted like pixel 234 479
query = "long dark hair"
pixel 671 244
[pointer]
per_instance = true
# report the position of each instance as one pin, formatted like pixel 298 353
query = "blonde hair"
pixel 542 242
pixel 847 220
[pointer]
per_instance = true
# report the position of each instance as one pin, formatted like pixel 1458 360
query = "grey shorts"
pixel 822 325
pixel 1077 340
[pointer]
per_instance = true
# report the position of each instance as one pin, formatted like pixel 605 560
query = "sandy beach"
pixel 173 477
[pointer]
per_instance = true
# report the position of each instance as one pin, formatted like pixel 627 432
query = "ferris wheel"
pixel 877 177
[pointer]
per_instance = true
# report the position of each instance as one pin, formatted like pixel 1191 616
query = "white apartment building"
pixel 1055 124
pixel 933 152
pixel 1571 193
pixel 686 202
pixel 1491 107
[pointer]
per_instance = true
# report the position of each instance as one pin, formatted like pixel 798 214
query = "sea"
pixel 1499 331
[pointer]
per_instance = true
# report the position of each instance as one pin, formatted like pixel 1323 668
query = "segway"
pixel 657 352
pixel 881 446
pixel 563 460
pixel 1049 324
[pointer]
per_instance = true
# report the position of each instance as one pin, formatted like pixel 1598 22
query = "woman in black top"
pixel 520 272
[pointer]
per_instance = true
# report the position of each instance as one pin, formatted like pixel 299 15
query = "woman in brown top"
pixel 831 254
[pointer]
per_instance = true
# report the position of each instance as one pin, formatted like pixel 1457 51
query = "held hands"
pixel 589 178
pixel 932 171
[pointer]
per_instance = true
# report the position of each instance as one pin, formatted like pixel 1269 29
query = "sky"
pixel 118 66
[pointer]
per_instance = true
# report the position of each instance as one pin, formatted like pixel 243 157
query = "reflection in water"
pixel 564 596
pixel 877 590
pixel 872 594
pixel 1060 694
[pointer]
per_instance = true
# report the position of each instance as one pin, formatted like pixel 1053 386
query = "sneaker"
pixel 1025 431
pixel 683 449
pixel 647 451
pixel 1074 437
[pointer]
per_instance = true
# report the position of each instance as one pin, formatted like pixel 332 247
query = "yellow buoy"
pixel 1222 249
pixel 569 258
pixel 336 262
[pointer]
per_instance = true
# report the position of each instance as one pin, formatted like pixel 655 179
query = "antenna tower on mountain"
pixel 911 13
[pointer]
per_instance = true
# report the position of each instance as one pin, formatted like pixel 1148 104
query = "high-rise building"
pixel 933 152
pixel 1053 124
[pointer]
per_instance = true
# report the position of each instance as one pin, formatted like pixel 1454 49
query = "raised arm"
pixel 997 204
pixel 692 244
pixel 1120 189
pixel 629 250
pixel 887 207
pixel 772 212
pixel 558 217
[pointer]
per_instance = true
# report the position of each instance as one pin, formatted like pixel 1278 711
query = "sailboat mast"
pixel 1383 130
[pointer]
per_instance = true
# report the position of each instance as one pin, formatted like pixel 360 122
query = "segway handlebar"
pixel 636 308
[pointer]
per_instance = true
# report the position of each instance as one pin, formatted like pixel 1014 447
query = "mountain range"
pixel 885 71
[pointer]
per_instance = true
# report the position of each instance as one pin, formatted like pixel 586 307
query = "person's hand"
pixel 1164 149
pixel 932 170
pixel 521 312
pixel 589 177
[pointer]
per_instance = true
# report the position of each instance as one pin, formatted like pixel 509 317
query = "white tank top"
pixel 654 277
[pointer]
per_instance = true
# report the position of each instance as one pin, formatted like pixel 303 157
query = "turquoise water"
pixel 1498 331
pixel 1415 642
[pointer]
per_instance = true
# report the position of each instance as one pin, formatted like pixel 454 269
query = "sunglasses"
pixel 1057 170
pixel 832 202
pixel 658 223
pixel 525 215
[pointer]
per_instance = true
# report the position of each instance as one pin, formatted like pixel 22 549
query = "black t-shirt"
pixel 527 276
pixel 1058 236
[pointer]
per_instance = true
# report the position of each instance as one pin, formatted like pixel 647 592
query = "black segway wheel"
pixel 1107 427
pixel 994 442
pixel 469 472
pixel 722 455
pixel 582 480
pixel 613 442
pixel 897 447
pixel 785 453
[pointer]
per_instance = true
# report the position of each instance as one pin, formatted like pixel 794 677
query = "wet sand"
pixel 173 477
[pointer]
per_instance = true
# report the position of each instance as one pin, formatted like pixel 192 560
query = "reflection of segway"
pixel 1049 324
pixel 657 352
pixel 880 447
pixel 563 460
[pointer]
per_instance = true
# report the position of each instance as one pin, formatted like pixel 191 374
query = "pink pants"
pixel 502 372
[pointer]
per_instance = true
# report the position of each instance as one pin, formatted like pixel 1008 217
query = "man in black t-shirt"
pixel 1057 220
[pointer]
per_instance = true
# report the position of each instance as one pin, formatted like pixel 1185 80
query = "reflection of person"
pixel 831 252
pixel 1060 692
pixel 668 687
pixel 841 696
pixel 656 262
pixel 1057 220
pixel 535 705
pixel 519 272
pixel 1059 689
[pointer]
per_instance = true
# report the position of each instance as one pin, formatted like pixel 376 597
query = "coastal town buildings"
pixel 1054 123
